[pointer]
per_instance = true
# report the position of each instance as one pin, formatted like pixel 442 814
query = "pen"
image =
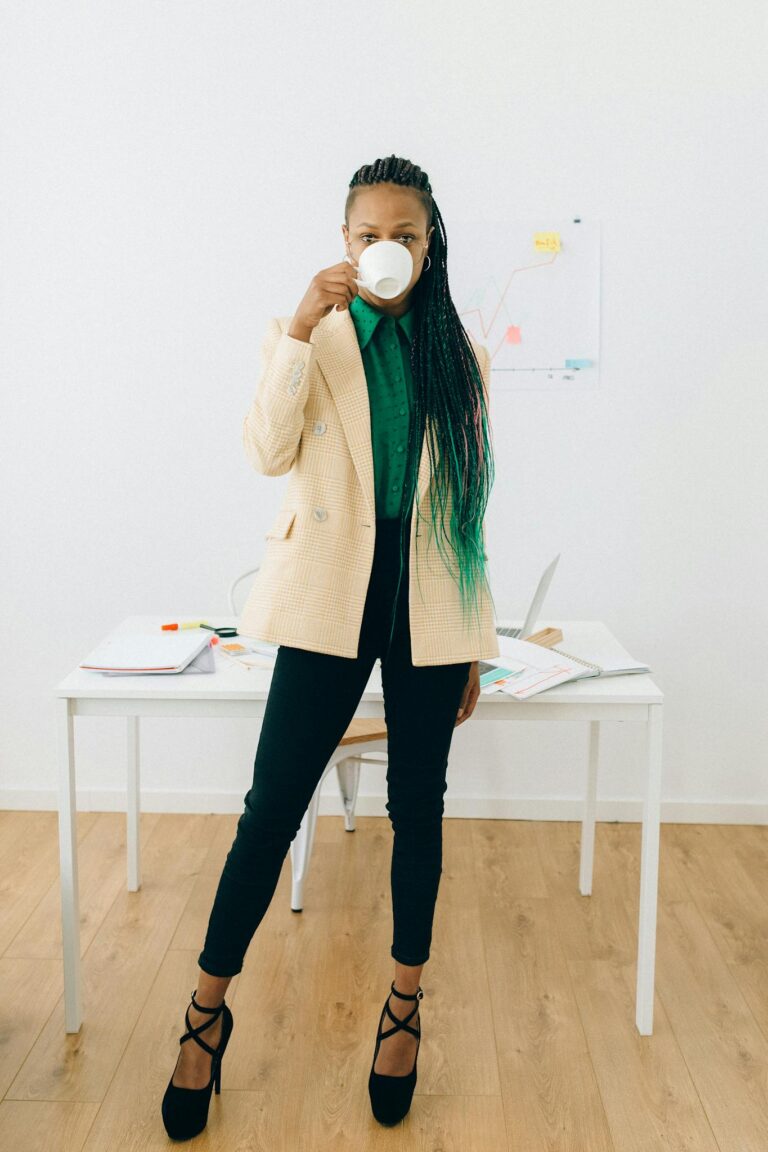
pixel 188 624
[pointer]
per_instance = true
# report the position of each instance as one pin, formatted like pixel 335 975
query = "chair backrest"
pixel 236 602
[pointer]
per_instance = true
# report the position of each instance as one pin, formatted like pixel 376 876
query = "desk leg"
pixel 649 876
pixel 133 804
pixel 68 878
pixel 586 863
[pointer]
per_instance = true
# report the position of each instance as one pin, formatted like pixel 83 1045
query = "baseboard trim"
pixel 464 807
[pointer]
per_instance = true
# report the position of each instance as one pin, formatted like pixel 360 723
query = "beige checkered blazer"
pixel 310 417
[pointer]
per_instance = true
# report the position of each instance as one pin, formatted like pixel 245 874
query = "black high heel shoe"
pixel 391 1095
pixel 185 1110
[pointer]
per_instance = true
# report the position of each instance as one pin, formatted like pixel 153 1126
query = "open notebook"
pixel 532 668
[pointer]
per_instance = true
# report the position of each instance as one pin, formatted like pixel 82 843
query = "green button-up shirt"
pixel 385 345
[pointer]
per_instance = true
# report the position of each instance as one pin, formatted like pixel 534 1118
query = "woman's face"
pixel 388 212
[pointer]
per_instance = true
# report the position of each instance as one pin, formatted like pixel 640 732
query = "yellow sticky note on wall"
pixel 546 241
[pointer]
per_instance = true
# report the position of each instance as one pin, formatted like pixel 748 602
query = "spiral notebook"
pixel 528 668
pixel 603 663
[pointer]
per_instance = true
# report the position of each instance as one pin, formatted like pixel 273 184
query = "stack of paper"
pixel 145 653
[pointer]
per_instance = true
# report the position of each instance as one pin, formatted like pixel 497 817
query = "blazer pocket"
pixel 282 524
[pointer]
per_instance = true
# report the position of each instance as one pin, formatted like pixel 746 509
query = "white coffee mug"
pixel 386 268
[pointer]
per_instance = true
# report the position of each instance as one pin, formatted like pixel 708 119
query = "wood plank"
pixel 118 970
pixel 325 1114
pixel 102 872
pixel 551 1097
pixel 29 992
pixel 723 1046
pixel 730 901
pixel 649 1097
pixel 529 1033
pixel 29 865
pixel 45 1125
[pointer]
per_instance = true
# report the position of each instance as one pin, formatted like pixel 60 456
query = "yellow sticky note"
pixel 546 241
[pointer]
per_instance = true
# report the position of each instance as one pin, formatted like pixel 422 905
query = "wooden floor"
pixel 529 1040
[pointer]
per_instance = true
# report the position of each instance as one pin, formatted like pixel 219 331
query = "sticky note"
pixel 578 363
pixel 546 241
pixel 513 335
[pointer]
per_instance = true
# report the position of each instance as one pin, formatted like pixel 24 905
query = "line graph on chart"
pixel 530 292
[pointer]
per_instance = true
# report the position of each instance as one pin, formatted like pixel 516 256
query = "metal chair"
pixel 362 737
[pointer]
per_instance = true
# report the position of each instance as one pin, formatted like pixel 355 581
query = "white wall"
pixel 175 173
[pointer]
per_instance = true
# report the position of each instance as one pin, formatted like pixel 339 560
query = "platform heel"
pixel 391 1095
pixel 185 1110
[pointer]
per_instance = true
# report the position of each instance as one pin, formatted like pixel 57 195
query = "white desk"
pixel 234 692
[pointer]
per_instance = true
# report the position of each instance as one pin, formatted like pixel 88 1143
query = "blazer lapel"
pixel 338 356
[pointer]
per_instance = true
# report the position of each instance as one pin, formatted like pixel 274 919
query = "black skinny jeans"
pixel 420 705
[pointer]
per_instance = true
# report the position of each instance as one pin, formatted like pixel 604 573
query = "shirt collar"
pixel 366 318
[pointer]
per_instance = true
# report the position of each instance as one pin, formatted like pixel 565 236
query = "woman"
pixel 379 411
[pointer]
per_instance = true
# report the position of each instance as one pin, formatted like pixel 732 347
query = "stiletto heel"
pixel 391 1095
pixel 185 1110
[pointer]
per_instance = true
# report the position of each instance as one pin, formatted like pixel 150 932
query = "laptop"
pixel 529 624
pixel 532 615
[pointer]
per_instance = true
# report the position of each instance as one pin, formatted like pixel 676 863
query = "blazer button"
pixel 292 389
pixel 319 428
pixel 320 513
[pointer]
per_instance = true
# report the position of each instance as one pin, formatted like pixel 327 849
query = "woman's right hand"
pixel 332 287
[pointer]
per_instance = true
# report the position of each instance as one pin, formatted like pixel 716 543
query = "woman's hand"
pixel 470 695
pixel 332 287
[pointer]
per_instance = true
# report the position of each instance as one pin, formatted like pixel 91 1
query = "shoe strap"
pixel 200 1007
pixel 194 1033
pixel 419 995
pixel 402 1025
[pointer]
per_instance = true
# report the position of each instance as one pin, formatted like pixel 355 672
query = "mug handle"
pixel 360 283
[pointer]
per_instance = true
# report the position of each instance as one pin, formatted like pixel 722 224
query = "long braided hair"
pixel 449 398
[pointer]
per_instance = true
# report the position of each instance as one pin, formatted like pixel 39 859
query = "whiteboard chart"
pixel 531 294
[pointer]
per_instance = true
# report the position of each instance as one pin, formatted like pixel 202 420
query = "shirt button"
pixel 399 447
pixel 394 487
pixel 402 411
